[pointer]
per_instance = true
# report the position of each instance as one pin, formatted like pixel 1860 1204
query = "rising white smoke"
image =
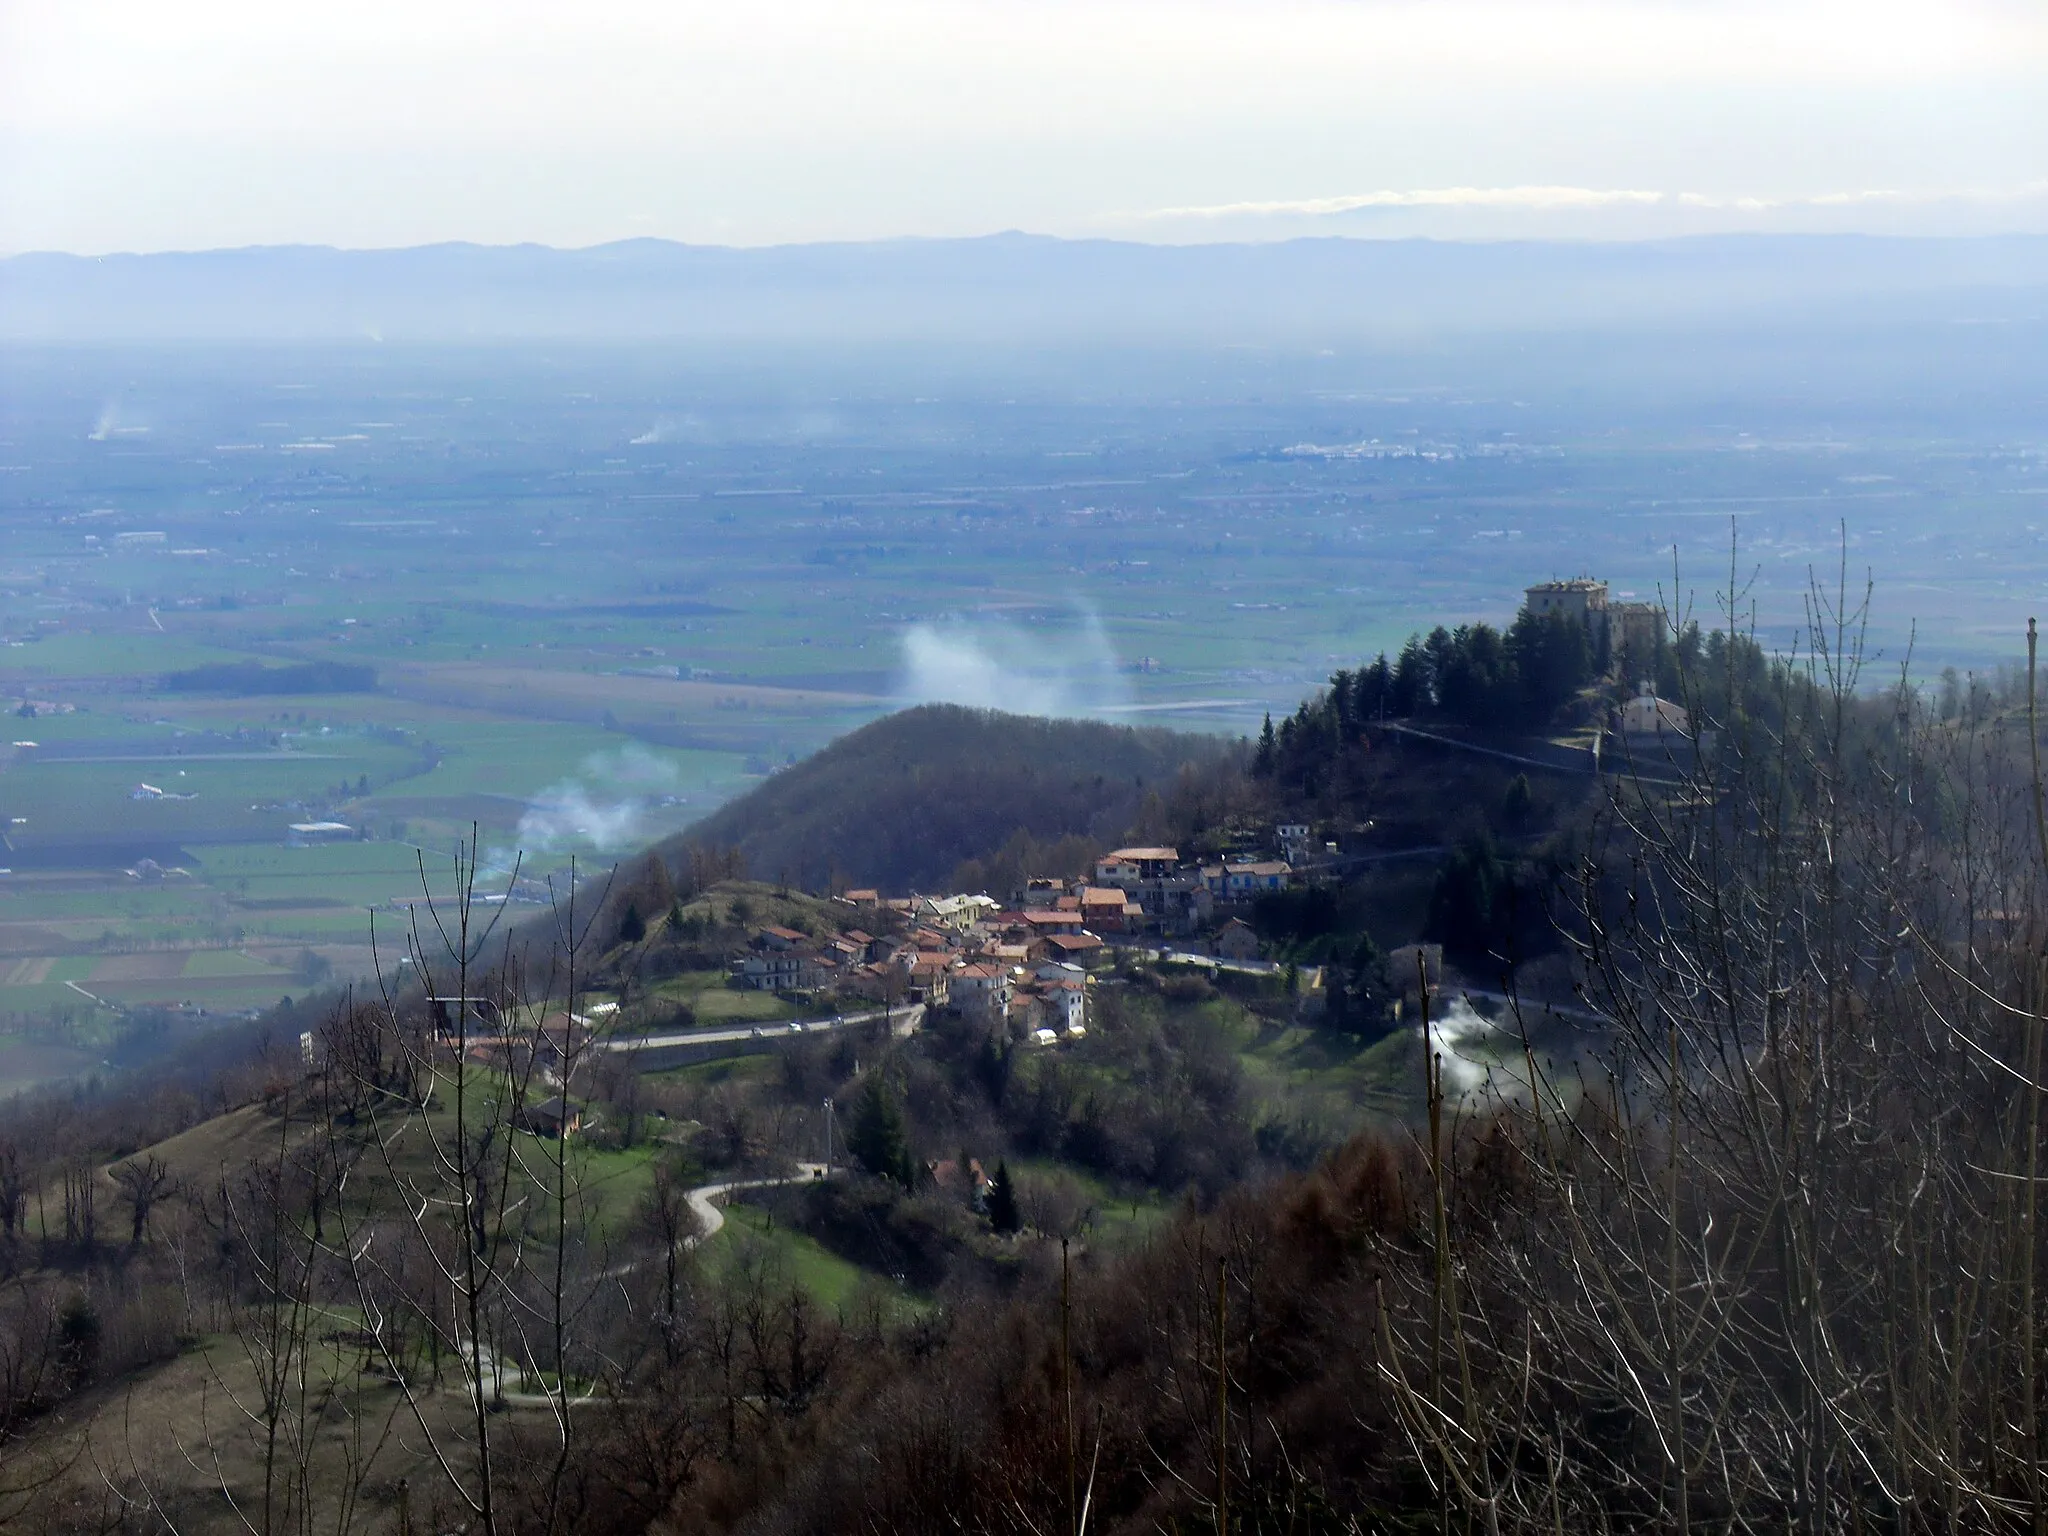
pixel 1456 1036
pixel 109 424
pixel 604 806
pixel 997 665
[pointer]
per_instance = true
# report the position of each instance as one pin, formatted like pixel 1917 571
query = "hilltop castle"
pixel 1633 628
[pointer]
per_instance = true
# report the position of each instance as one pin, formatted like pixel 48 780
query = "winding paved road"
pixel 502 1379
pixel 710 1219
pixel 906 1018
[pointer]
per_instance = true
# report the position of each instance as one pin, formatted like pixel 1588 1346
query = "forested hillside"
pixel 902 803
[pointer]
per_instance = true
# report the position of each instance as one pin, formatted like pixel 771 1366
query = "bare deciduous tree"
pixel 143 1182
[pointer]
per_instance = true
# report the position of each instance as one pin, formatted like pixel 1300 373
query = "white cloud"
pixel 1543 211
pixel 1566 199
pixel 1540 198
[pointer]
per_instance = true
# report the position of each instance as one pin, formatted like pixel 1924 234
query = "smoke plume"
pixel 602 807
pixel 997 665
pixel 1454 1037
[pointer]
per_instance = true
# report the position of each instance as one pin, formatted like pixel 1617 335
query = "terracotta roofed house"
pixel 932 975
pixel 1128 866
pixel 981 990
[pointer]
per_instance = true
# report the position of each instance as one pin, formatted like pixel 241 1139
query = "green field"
pixel 707 995
pixel 227 963
pixel 835 1283
pixel 142 653
pixel 417 778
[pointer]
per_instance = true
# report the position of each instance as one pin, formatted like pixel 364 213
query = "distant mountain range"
pixel 1017 289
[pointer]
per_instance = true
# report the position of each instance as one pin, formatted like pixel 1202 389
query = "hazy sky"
pixel 146 125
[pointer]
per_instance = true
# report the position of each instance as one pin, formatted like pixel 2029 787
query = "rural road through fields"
pixel 501 1379
pixel 710 1219
pixel 904 1018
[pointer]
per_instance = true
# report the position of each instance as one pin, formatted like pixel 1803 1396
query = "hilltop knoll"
pixel 903 802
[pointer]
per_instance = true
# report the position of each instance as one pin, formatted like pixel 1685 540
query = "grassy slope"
pixel 900 803
pixel 834 1282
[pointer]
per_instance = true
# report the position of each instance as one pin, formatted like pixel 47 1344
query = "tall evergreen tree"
pixel 1414 683
pixel 1003 1214
pixel 1360 991
pixel 632 926
pixel 1468 907
pixel 877 1137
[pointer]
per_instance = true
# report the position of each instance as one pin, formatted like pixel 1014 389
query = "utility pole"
pixel 1222 1403
pixel 1067 1382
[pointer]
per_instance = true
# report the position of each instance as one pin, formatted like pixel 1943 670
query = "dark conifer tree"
pixel 878 1137
pixel 632 926
pixel 1003 1214
pixel 1468 907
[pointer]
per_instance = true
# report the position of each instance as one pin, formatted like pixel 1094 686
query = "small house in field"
pixel 780 961
pixel 968 1180
pixel 1236 940
pixel 552 1117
